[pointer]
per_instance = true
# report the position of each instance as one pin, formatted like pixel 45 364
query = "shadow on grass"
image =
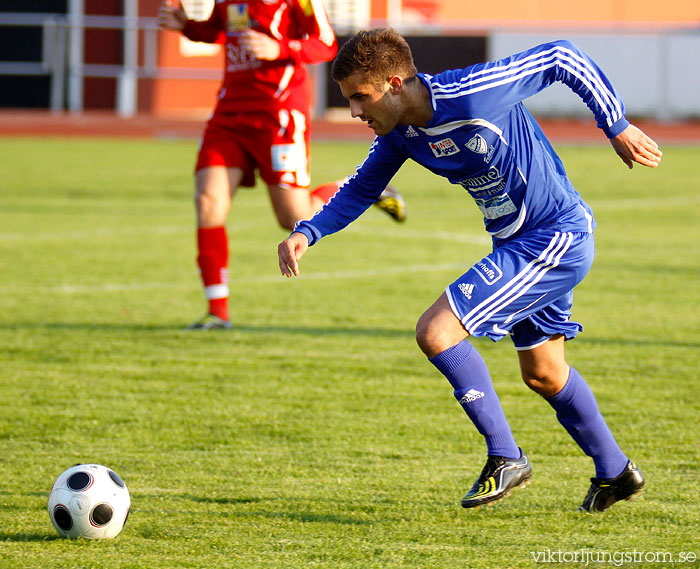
pixel 27 537
pixel 246 328
pixel 307 330
pixel 208 500
pixel 306 517
pixel 325 331
pixel 636 342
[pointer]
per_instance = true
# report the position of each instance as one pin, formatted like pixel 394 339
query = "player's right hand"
pixel 290 251
pixel 259 45
pixel 171 16
pixel 632 145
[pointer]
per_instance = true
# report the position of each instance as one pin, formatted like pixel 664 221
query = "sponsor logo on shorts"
pixel 466 289
pixel 471 395
pixel 285 157
pixel 444 147
pixel 488 271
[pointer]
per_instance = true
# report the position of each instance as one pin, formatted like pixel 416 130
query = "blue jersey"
pixel 482 138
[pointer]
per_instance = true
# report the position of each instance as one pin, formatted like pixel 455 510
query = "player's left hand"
pixel 259 45
pixel 632 145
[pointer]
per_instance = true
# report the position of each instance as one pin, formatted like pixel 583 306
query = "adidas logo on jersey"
pixel 411 132
pixel 478 144
pixel 466 289
pixel 471 395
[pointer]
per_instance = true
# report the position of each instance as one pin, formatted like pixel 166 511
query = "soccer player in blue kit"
pixel 470 126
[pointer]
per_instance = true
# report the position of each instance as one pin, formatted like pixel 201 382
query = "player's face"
pixel 378 106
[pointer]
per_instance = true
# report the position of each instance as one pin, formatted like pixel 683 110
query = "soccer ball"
pixel 89 500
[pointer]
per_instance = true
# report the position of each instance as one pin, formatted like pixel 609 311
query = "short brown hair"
pixel 377 54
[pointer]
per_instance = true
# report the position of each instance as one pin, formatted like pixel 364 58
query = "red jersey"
pixel 304 34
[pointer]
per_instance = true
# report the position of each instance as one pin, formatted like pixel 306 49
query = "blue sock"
pixel 577 411
pixel 465 369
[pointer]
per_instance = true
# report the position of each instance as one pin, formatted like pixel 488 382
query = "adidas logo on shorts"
pixel 466 289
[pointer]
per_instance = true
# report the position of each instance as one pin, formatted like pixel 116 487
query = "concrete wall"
pixel 657 75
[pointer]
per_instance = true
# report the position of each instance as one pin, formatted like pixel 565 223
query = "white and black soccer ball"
pixel 89 500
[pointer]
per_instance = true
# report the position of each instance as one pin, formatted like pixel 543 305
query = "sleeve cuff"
pixel 616 128
pixel 306 231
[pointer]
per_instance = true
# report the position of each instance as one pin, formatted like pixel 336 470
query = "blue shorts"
pixel 524 288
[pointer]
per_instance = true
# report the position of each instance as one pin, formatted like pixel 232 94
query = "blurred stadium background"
pixel 82 62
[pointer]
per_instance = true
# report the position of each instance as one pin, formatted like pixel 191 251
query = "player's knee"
pixel 209 202
pixel 431 338
pixel 544 378
pixel 424 336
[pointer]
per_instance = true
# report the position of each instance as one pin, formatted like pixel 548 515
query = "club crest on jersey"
pixel 237 15
pixel 444 147
pixel 478 144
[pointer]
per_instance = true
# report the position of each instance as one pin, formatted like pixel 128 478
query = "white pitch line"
pixel 625 204
pixel 383 272
pixel 115 232
pixel 165 230
pixel 55 235
pixel 309 276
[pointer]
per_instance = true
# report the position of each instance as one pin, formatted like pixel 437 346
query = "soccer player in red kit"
pixel 261 122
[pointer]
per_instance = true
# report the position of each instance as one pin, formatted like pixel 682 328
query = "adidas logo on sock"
pixel 471 395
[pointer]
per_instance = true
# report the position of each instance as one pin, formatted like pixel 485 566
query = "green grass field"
pixel 315 433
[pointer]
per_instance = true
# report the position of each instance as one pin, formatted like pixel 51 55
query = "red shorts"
pixel 276 145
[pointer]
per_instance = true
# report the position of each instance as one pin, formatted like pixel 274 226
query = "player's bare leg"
pixel 215 188
pixel 545 371
pixel 438 329
pixel 390 201
pixel 443 339
pixel 292 205
pixel 544 368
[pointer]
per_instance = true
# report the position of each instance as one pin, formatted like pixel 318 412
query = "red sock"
pixel 212 245
pixel 327 191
